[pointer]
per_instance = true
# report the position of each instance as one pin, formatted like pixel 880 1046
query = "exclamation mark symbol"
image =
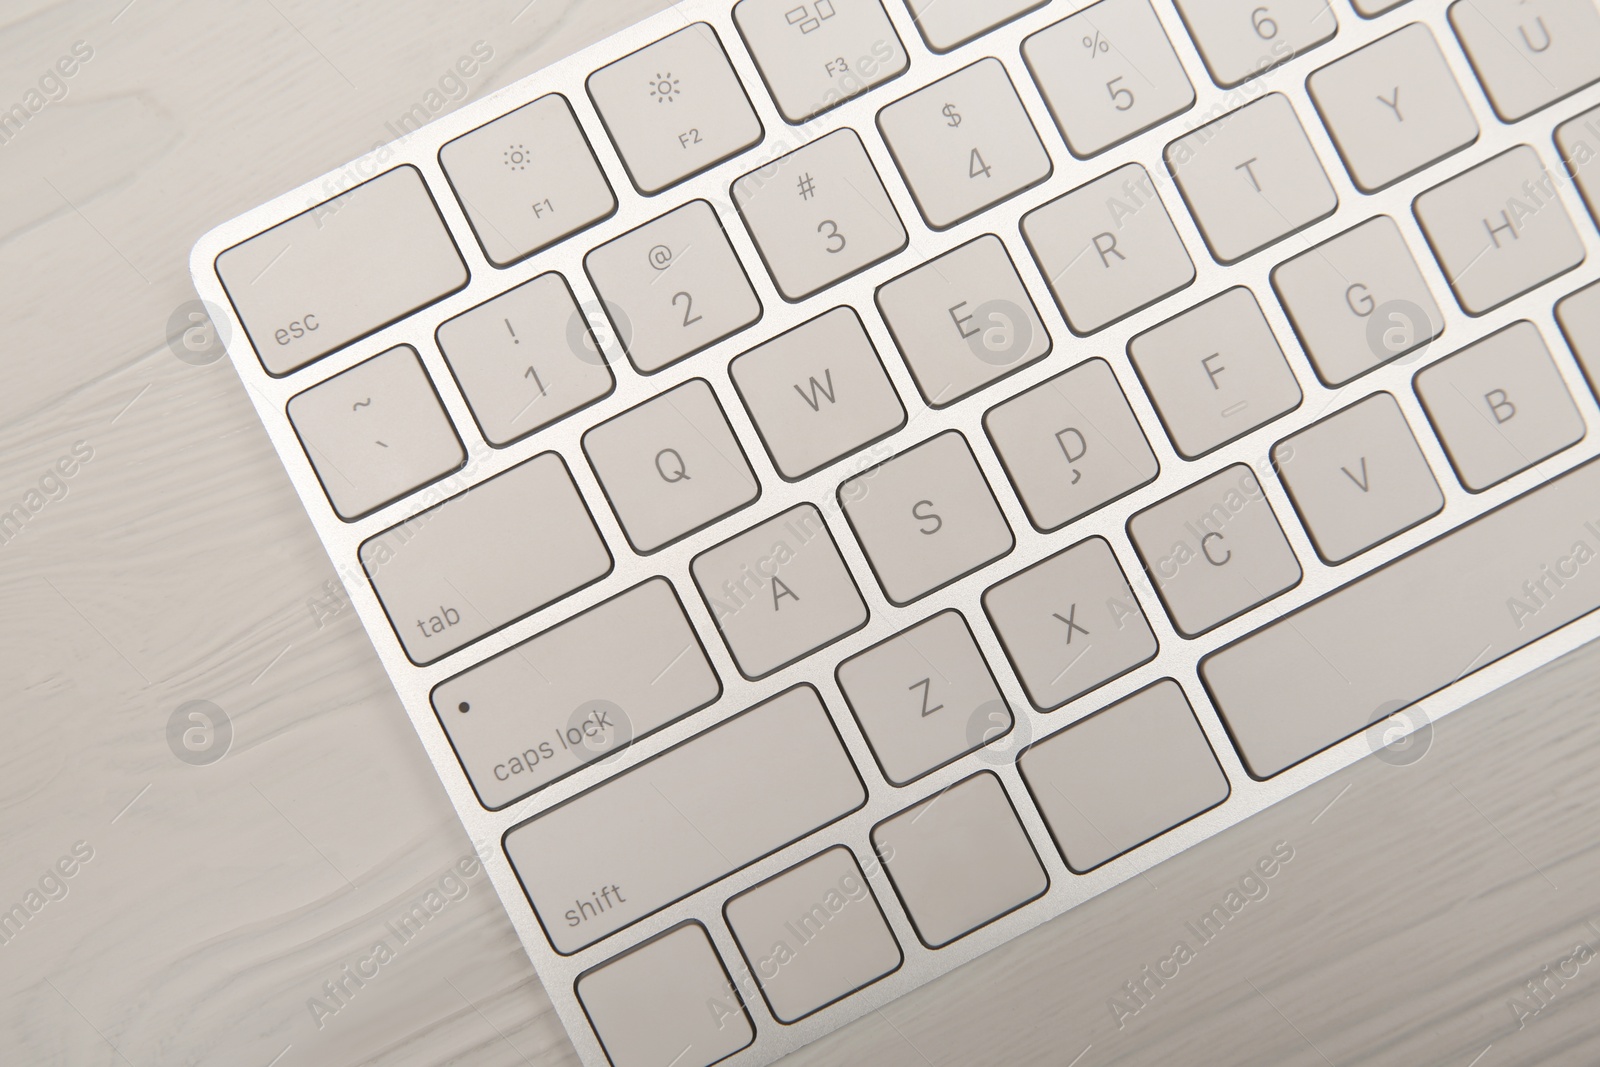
pixel 514 338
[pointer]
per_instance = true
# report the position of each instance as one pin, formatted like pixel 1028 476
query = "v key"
pixel 1361 481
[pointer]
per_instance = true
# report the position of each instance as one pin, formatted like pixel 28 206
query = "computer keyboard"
pixel 838 483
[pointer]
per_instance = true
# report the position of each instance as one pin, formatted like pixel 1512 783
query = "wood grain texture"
pixel 176 565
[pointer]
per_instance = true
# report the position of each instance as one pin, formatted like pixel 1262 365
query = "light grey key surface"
pixel 813 934
pixel 1529 55
pixel 455 572
pixel 684 819
pixel 341 270
pixel 779 590
pixel 523 359
pixel 1123 776
pixel 1251 178
pixel 1498 230
pixel 924 697
pixel 1499 406
pixel 960 860
pixel 1579 315
pixel 565 699
pixel 963 320
pixel 1070 623
pixel 815 55
pixel 1355 655
pixel 1579 142
pixel 1214 550
pixel 1239 39
pixel 1357 477
pixel 1107 73
pixel 1374 8
pixel 1071 444
pixel 375 432
pixel 817 392
pixel 674 108
pixel 1215 372
pixel 1393 107
pixel 1107 249
pixel 673 286
pixel 945 24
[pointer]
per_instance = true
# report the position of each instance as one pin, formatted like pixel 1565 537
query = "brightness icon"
pixel 664 88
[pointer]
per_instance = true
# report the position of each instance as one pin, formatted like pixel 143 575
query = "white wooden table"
pixel 174 564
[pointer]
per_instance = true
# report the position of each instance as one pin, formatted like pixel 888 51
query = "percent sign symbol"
pixel 1096 44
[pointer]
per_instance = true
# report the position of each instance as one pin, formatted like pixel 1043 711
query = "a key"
pixel 924 697
pixel 1499 406
pixel 1240 39
pixel 523 359
pixel 1374 8
pixel 659 831
pixel 460 570
pixel 1358 301
pixel 1499 229
pixel 813 934
pixel 925 517
pixel 817 393
pixel 1107 249
pixel 674 108
pixel 1393 107
pixel 671 465
pixel 1123 776
pixel 779 591
pixel 527 180
pixel 1215 372
pixel 1071 444
pixel 564 699
pixel 1579 142
pixel 963 320
pixel 1107 74
pixel 1070 623
pixel 964 143
pixel 376 432
pixel 1529 55
pixel 673 287
pixel 948 24
pixel 815 55
pixel 1357 478
pixel 1579 315
pixel 819 214
pixel 341 270
pixel 960 860
pixel 1214 550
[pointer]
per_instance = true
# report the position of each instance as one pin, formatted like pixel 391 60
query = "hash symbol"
pixel 807 187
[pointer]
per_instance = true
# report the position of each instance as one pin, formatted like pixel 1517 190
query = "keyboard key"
pixel 1499 406
pixel 963 320
pixel 670 466
pixel 816 55
pixel 1374 8
pixel 1070 623
pixel 1393 107
pixel 1071 444
pixel 1579 315
pixel 924 697
pixel 676 823
pixel 819 214
pixel 460 570
pixel 1127 80
pixel 1214 550
pixel 1357 478
pixel 779 591
pixel 817 393
pixel 521 360
pixel 1240 39
pixel 376 432
pixel 948 24
pixel 1107 249
pixel 1579 142
pixel 650 1006
pixel 1529 56
pixel 563 699
pixel 925 517
pixel 343 269
pixel 813 934
pixel 674 108
pixel 1215 372
pixel 1354 653
pixel 960 860
pixel 1123 776
pixel 964 143
pixel 1357 301
pixel 1499 229
pixel 673 287
pixel 527 180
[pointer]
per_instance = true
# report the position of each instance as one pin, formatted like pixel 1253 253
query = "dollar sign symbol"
pixel 950 113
